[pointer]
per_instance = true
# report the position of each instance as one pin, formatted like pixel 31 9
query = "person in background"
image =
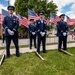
pixel 3 36
pixel 32 33
pixel 73 34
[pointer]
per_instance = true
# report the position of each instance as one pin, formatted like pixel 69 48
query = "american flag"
pixel 5 13
pixel 24 22
pixel 1 18
pixel 19 16
pixel 32 15
pixel 47 21
pixel 54 18
pixel 70 21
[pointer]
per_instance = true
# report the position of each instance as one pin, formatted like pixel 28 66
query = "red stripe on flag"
pixel 24 22
pixel 33 17
pixel 1 18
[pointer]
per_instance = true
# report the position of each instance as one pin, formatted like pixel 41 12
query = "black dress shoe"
pixel 64 49
pixel 7 56
pixel 34 47
pixel 39 52
pixel 30 48
pixel 59 50
pixel 18 55
pixel 44 51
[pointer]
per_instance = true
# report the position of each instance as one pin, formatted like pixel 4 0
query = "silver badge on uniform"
pixel 38 22
pixel 44 22
pixel 14 20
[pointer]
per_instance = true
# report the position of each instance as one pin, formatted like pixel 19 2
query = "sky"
pixel 4 4
pixel 64 6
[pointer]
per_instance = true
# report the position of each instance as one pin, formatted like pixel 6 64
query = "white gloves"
pixel 64 34
pixel 42 33
pixel 33 33
pixel 10 32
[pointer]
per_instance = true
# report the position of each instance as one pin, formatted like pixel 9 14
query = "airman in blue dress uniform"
pixel 62 32
pixel 41 27
pixel 11 24
pixel 32 33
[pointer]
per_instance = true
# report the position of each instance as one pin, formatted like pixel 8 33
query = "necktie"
pixel 11 16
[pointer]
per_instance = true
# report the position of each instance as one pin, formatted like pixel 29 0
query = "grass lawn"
pixel 0 57
pixel 56 63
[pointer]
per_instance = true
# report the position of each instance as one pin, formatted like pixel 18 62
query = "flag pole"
pixel 39 56
pixel 66 52
pixel 8 2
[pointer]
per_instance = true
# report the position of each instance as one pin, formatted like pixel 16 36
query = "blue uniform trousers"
pixel 8 42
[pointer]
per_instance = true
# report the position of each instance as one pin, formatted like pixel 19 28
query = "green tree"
pixel 22 7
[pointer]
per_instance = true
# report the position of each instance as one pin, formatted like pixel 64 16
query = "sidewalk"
pixel 48 47
pixel 26 41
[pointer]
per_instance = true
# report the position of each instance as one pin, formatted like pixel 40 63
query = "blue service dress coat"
pixel 61 28
pixel 31 28
pixel 41 26
pixel 11 23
